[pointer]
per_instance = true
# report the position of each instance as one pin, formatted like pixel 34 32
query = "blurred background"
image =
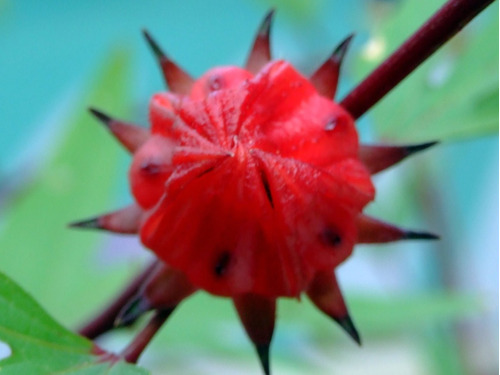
pixel 421 308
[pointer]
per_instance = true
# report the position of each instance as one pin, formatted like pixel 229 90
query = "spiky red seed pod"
pixel 254 187
pixel 250 184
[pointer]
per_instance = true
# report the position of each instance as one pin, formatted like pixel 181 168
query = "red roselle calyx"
pixel 251 183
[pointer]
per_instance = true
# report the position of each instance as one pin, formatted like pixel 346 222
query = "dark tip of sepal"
pixel 177 80
pixel 153 45
pixel 263 353
pixel 341 50
pixel 420 147
pixel 265 27
pixel 414 235
pixel 380 157
pixel 325 78
pixel 260 52
pixel 101 116
pixel 93 223
pixel 347 325
pixel 132 311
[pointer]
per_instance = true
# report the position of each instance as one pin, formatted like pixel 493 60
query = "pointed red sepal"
pixel 258 315
pixel 126 221
pixel 379 157
pixel 260 54
pixel 371 230
pixel 325 293
pixel 177 80
pixel 134 350
pixel 326 77
pixel 163 290
pixel 130 136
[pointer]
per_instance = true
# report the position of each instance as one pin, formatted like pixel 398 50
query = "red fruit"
pixel 251 184
pixel 256 186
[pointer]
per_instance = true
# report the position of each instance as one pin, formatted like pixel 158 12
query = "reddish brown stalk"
pixel 134 350
pixel 443 25
pixel 104 321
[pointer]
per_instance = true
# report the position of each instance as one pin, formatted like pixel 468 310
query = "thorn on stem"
pixel 260 53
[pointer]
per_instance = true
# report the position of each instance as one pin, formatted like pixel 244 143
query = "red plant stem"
pixel 104 321
pixel 443 25
pixel 133 351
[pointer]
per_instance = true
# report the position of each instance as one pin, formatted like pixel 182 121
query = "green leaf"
pixel 41 346
pixel 453 95
pixel 56 264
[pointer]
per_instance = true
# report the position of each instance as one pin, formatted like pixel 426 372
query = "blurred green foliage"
pixel 54 263
pixel 453 95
